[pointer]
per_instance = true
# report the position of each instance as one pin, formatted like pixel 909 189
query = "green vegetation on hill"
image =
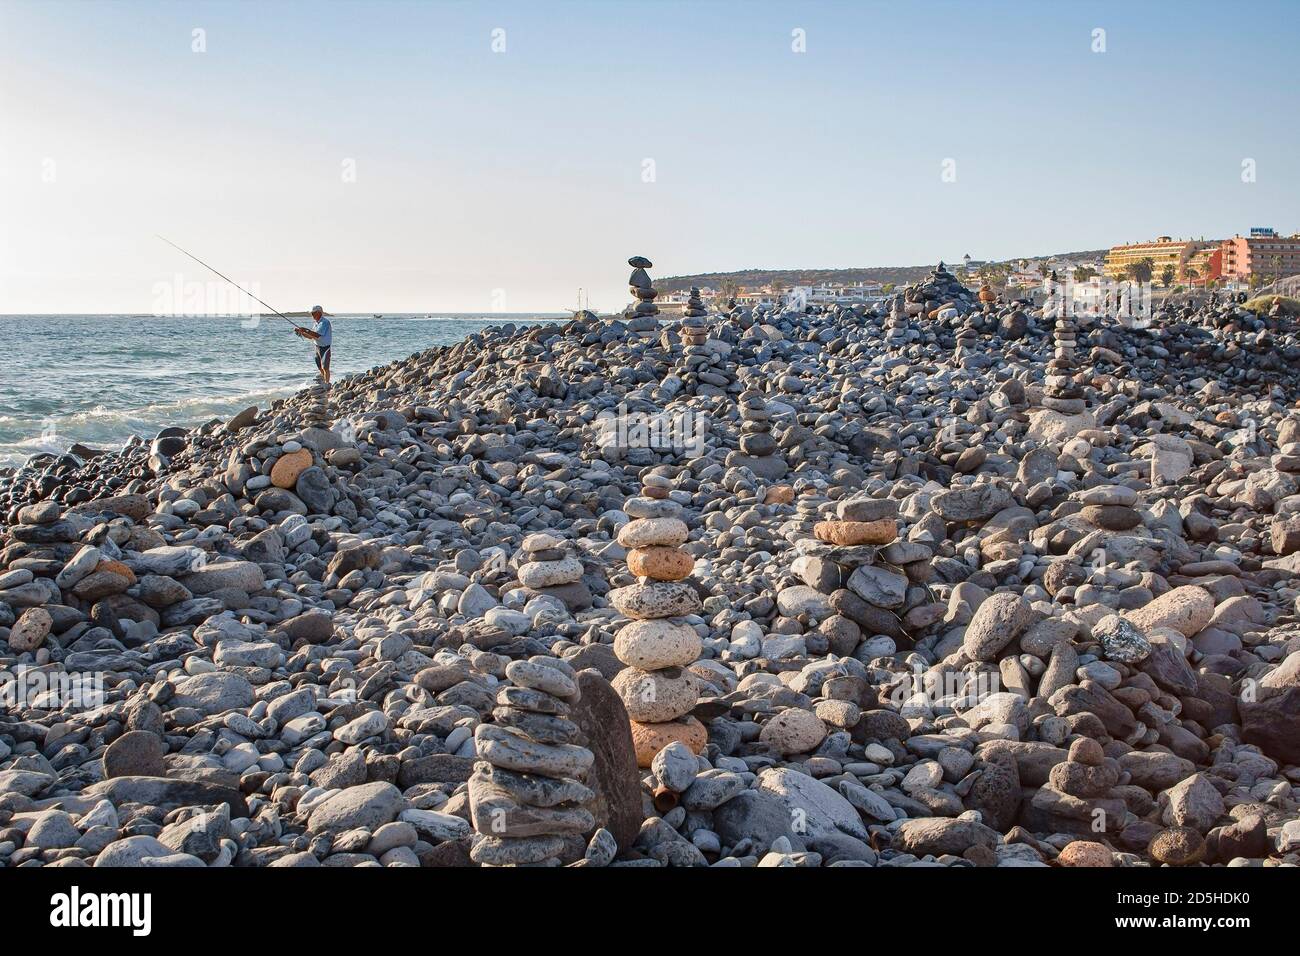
pixel 1262 303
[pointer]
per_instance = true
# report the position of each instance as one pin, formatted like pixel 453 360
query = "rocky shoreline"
pixel 945 582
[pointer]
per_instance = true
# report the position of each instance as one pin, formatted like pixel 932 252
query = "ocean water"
pixel 99 379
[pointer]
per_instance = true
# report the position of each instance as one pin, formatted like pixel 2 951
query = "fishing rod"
pixel 231 281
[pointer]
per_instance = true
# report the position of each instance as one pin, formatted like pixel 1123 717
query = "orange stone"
pixel 285 472
pixel 660 563
pixel 779 495
pixel 847 533
pixel 649 739
pixel 1085 853
pixel 116 567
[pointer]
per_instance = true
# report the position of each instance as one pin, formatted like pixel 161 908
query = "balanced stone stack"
pixel 758 449
pixel 849 590
pixel 316 412
pixel 548 566
pixel 1061 392
pixel 1079 793
pixel 967 338
pixel 526 793
pixel 656 688
pixel 695 305
pixel 700 367
pixel 897 325
pixel 640 287
pixel 883 463
pixel 808 511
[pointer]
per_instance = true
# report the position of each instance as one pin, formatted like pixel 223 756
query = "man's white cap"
pixel 317 308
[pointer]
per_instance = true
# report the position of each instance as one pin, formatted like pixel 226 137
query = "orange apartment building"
pixel 1162 252
pixel 1263 253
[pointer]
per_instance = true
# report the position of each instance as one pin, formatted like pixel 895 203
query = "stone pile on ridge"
pixel 526 794
pixel 657 646
pixel 936 291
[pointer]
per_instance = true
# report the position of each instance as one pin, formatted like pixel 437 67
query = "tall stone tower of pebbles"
pixel 657 645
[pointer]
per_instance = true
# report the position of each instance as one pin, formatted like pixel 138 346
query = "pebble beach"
pixel 937 582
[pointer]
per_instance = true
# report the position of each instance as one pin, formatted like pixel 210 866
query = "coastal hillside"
pixel 898 275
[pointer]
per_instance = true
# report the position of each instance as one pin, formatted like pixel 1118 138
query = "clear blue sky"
pixel 509 179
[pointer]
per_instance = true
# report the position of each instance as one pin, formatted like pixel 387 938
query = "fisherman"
pixel 323 336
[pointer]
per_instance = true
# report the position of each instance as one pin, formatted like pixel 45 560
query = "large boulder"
pixel 369 805
pixel 1272 720
pixel 1186 609
pixel 818 809
pixel 997 622
pixel 213 693
pixel 240 575
pixel 614 777
pixel 943 835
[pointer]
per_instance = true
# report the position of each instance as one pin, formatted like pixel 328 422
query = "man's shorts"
pixel 323 357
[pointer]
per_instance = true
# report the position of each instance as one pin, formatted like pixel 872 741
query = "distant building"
pixel 860 293
pixel 1263 254
pixel 1163 252
pixel 1026 274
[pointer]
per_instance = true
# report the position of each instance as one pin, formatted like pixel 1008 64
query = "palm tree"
pixel 1167 275
pixel 1142 270
pixel 728 289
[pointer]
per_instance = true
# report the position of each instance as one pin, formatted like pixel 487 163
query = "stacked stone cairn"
pixel 700 368
pixel 656 688
pixel 695 305
pixel 967 338
pixel 1061 391
pixel 897 325
pixel 526 793
pixel 1079 792
pixel 640 287
pixel 759 451
pixel 808 511
pixel 548 566
pixel 316 413
pixel 848 584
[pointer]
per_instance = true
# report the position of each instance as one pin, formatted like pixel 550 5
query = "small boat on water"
pixel 376 316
